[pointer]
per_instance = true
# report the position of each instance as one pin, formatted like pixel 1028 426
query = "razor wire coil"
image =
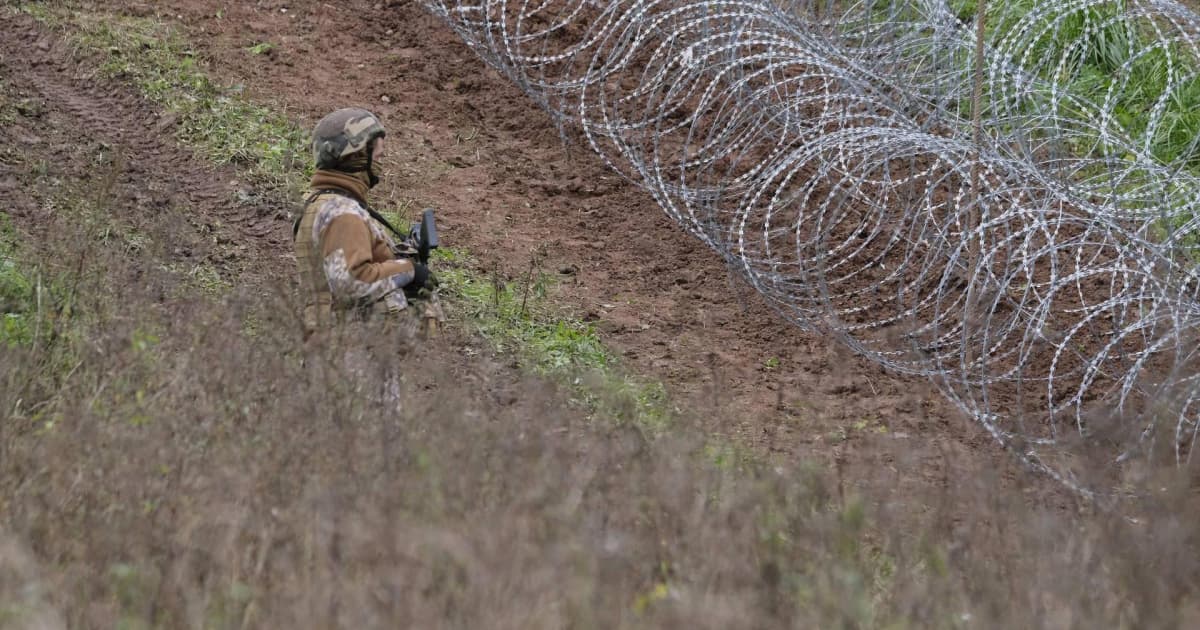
pixel 825 151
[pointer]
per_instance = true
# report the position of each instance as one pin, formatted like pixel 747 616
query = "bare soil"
pixel 466 141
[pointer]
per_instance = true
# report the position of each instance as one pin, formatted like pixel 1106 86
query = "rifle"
pixel 421 240
pixel 419 244
pixel 425 236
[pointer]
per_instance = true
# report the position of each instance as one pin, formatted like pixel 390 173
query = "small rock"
pixel 385 98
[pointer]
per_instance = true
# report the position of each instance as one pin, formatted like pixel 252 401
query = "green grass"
pixel 518 318
pixel 32 302
pixel 17 291
pixel 261 48
pixel 201 277
pixel 1095 52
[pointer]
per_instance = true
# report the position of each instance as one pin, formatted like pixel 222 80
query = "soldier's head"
pixel 349 140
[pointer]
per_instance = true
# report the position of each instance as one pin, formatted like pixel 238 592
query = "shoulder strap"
pixel 379 217
pixel 304 207
pixel 337 191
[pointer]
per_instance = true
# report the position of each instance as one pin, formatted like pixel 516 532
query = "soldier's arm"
pixel 349 265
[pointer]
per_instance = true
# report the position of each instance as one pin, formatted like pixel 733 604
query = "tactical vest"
pixel 320 311
pixel 318 301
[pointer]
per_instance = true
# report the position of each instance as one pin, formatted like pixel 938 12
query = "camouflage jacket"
pixel 345 258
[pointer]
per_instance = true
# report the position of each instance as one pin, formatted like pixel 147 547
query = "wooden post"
pixel 975 219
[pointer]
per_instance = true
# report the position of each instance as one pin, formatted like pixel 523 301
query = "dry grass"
pixel 172 457
pixel 168 466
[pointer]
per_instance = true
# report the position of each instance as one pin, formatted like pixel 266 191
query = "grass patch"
pixel 261 48
pixel 202 277
pixel 518 318
pixel 34 304
pixel 1106 61
pixel 229 511
pixel 18 291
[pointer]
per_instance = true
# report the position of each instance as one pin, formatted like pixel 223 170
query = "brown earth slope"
pixel 466 141
pixel 89 159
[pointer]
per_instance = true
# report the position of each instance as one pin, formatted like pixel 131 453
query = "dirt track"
pixel 462 139
pixel 94 129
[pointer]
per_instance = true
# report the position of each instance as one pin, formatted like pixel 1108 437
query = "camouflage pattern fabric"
pixel 343 133
pixel 346 291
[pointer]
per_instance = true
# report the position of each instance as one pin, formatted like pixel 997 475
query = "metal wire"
pixel 825 150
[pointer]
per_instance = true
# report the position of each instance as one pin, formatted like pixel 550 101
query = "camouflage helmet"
pixel 344 133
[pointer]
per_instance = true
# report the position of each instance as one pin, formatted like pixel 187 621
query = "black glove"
pixel 423 277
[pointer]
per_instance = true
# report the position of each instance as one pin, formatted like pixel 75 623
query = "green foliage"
pixel 1096 36
pixel 1175 139
pixel 729 456
pixel 17 292
pixel 202 277
pixel 1103 58
pixel 1107 64
pixel 515 317
pixel 400 215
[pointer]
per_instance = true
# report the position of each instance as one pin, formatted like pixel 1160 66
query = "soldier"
pixel 347 261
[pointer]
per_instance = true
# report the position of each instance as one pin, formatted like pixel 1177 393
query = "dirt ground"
pixel 464 140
